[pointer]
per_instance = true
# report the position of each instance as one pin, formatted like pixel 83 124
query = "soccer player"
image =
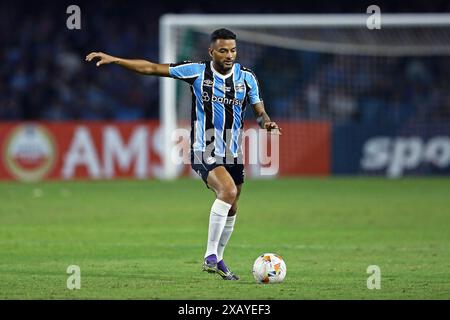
pixel 221 90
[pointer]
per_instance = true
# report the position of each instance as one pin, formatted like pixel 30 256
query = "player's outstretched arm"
pixel 263 119
pixel 136 65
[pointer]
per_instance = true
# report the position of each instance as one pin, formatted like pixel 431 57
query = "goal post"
pixel 337 34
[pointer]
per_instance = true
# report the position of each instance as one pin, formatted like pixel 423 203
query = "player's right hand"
pixel 104 58
pixel 272 128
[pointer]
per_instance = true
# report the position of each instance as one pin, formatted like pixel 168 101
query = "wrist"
pixel 260 121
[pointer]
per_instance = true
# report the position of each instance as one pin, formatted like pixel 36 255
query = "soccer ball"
pixel 269 268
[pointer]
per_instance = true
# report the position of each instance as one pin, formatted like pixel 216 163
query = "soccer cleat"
pixel 224 272
pixel 210 264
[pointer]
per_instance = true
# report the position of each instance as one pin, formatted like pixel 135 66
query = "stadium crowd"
pixel 43 74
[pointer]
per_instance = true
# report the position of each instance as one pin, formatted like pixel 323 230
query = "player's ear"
pixel 210 51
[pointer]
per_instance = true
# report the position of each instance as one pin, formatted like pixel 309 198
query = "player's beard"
pixel 227 66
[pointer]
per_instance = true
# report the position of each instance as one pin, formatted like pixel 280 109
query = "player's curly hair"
pixel 222 34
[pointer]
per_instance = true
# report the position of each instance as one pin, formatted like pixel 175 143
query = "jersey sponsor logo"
pixel 30 152
pixel 222 100
pixel 205 97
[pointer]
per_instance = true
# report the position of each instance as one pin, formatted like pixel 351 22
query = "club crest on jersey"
pixel 208 83
pixel 239 87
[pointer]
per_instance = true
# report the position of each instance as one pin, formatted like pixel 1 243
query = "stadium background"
pixel 144 238
pixel 338 107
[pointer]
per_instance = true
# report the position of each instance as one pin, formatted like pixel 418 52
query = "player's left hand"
pixel 272 128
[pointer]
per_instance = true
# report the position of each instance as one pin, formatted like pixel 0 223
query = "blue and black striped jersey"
pixel 218 105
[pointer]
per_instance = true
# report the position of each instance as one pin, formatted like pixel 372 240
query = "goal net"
pixel 330 75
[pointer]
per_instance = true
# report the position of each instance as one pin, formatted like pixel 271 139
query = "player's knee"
pixel 228 194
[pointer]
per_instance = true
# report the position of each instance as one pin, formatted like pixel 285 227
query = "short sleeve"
pixel 254 93
pixel 186 70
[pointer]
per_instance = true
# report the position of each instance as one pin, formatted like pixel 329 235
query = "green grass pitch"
pixel 146 239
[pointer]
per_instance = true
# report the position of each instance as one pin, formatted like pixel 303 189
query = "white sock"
pixel 217 219
pixel 226 234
